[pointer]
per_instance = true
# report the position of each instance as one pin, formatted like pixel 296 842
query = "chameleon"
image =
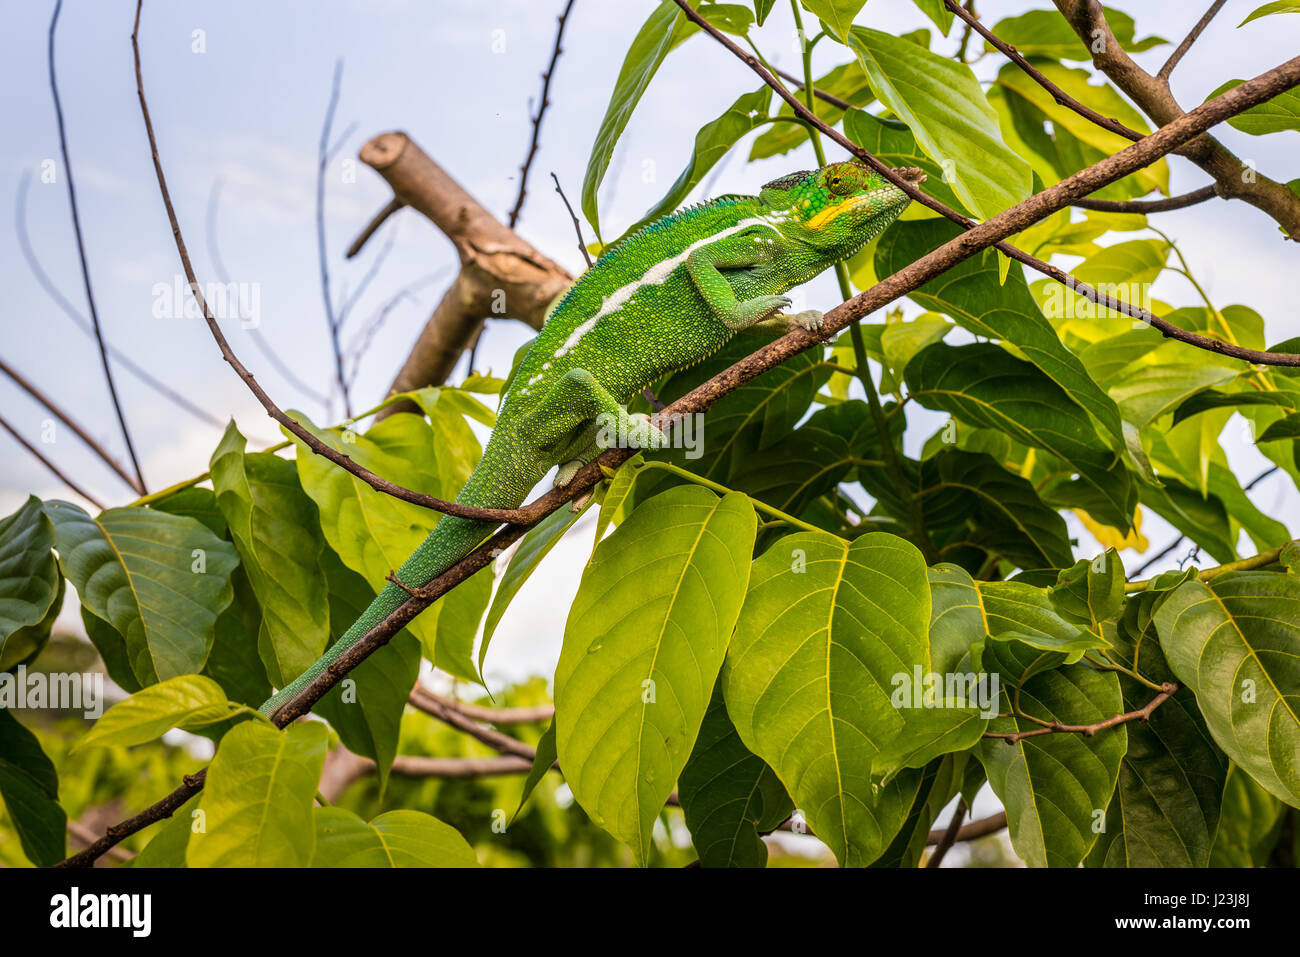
pixel 662 299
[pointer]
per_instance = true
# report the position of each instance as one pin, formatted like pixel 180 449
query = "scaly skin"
pixel 663 299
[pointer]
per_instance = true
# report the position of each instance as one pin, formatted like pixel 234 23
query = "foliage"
pixel 772 631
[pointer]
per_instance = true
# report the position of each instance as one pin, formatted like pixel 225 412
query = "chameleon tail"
pixel 451 540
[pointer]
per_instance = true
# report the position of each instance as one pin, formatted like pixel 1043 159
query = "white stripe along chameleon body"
pixel 663 299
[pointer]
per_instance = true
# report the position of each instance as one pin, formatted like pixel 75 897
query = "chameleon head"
pixel 840 206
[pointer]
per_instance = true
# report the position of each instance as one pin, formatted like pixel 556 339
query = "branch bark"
pixel 501 274
pixel 1235 179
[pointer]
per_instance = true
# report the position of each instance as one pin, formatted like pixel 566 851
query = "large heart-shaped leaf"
pixel 643 645
pixel 257 800
pixel 830 637
pixel 1235 642
pixel 159 579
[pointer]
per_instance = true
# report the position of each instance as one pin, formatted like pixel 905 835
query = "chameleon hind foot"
pixel 565 473
pixel 633 430
pixel 810 320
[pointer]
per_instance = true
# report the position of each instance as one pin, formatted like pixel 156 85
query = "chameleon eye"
pixel 840 185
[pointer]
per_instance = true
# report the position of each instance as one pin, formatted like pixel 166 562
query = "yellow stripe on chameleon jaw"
pixel 831 213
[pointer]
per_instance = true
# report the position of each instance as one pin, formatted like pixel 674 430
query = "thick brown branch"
pixel 501 274
pixel 1236 180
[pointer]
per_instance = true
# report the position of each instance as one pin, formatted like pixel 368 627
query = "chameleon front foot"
pixel 632 430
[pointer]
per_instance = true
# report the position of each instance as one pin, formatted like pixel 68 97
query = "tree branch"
pixel 85 266
pixel 1236 180
pixel 58 473
pixel 537 120
pixel 1088 730
pixel 1270 85
pixel 1149 205
pixel 322 163
pixel 1188 40
pixel 21 381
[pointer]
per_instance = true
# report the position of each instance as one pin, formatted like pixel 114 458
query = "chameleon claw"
pixel 810 320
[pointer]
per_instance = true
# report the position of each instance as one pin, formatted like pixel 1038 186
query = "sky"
pixel 238 90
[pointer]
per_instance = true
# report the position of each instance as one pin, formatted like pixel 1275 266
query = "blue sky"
pixel 459 76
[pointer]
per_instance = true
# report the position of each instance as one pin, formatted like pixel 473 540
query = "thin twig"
pixel 59 473
pixel 322 164
pixel 85 265
pixel 452 715
pixel 1088 730
pixel 577 226
pixel 965 34
pixel 541 111
pixel 43 280
pixel 478 712
pixel 219 266
pixel 949 835
pixel 1149 205
pixel 66 418
pixel 311 441
pixel 1188 40
pixel 392 206
pixel 1166 328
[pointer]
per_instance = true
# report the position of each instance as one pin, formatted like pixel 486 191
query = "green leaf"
pixel 167 849
pixel 276 529
pixel 1249 824
pixel 935 785
pixel 1047 33
pixel 374 533
pixel 31 588
pixel 112 650
pixel 761 9
pixel 1268 9
pixel 160 580
pixel 400 838
pixel 234 662
pixel 1211 399
pixel 257 800
pixel 970 293
pixel 1055 787
pixel 820 675
pixel 846 81
pixel 29 786
pixel 543 761
pixel 836 15
pixel 1282 112
pixel 939 14
pixel 1147 392
pixel 1091 591
pixel 986 386
pixel 1287 428
pixel 190 701
pixel 615 502
pixel 643 645
pixel 1166 804
pixel 729 796
pixel 197 502
pixel 712 142
pixel 534 547
pixel 1016 610
pixel 1233 642
pixel 366 706
pixel 1203 520
pixel 967 498
pixel 665 29
pixel 942 103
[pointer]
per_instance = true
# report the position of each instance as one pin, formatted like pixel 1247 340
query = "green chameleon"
pixel 665 298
